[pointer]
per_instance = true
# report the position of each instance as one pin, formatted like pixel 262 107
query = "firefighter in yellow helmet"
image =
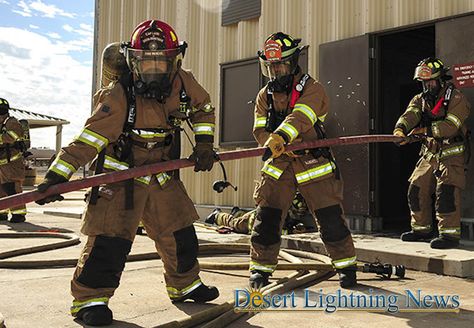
pixel 438 114
pixel 12 167
pixel 136 122
pixel 292 108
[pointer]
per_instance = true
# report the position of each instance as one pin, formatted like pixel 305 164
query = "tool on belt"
pixel 104 178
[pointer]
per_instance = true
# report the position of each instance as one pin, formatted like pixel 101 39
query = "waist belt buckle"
pixel 151 145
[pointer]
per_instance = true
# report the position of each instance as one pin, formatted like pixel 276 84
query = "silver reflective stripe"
pixel 343 263
pixel 113 164
pixel 272 171
pixel 176 293
pixel 62 168
pixel 289 129
pixel 93 139
pixel 314 173
pixel 454 119
pixel 307 111
pixel 149 134
pixel 163 178
pixel 450 231
pixel 261 267
pixel 416 227
pixel 260 122
pixel 203 128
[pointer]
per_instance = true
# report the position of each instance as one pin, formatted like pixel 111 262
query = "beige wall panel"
pixel 141 12
pixel 128 22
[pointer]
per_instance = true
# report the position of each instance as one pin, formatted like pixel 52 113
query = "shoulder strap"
pixel 298 90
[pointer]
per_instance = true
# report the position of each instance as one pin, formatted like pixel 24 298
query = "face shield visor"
pixel 275 69
pixel 154 66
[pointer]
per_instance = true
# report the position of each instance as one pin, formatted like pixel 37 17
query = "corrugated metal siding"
pixel 234 11
pixel 198 22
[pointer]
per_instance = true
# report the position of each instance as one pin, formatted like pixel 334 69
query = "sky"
pixel 46 61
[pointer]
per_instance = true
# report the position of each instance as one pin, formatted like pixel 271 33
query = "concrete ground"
pixel 40 297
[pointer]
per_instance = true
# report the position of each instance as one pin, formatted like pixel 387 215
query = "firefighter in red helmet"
pixel 439 115
pixel 136 121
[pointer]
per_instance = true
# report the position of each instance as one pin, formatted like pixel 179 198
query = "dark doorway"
pixel 398 53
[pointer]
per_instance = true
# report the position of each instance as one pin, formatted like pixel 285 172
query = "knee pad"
pixel 106 261
pixel 445 199
pixel 186 248
pixel 414 198
pixel 332 224
pixel 9 188
pixel 266 229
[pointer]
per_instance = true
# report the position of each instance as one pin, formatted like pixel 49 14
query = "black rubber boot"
pixel 211 218
pixel 416 236
pixel 234 210
pixel 99 315
pixel 258 279
pixel 444 242
pixel 3 217
pixel 202 294
pixel 347 277
pixel 17 218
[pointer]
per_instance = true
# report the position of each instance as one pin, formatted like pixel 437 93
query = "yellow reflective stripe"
pixel 13 135
pixel 149 134
pixel 272 171
pixel 21 211
pixel 450 231
pixel 93 139
pixel 323 117
pixel 62 168
pixel 163 178
pixel 344 263
pixel 289 129
pixel 435 130
pixel 12 158
pixel 251 220
pixel 260 122
pixel 261 267
pixel 452 151
pixel 314 173
pixel 307 111
pixel 177 293
pixel 454 119
pixel 145 179
pixel 403 122
pixel 204 128
pixel 77 306
pixel 416 227
pixel 114 164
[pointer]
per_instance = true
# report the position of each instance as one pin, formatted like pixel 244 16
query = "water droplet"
pixel 349 78
pixel 340 85
pixel 337 95
pixel 358 84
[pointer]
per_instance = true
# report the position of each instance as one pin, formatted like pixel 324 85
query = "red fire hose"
pixel 105 178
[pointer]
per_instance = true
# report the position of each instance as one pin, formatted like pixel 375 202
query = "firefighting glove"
pixel 203 156
pixel 401 134
pixel 276 144
pixel 51 178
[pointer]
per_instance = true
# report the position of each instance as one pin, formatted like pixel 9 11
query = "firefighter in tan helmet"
pixel 438 114
pixel 135 122
pixel 12 167
pixel 292 108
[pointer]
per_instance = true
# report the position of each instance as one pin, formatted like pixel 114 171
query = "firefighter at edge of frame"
pixel 135 122
pixel 12 166
pixel 292 108
pixel 298 219
pixel 438 115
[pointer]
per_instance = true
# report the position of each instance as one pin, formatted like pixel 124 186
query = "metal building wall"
pixel 198 22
